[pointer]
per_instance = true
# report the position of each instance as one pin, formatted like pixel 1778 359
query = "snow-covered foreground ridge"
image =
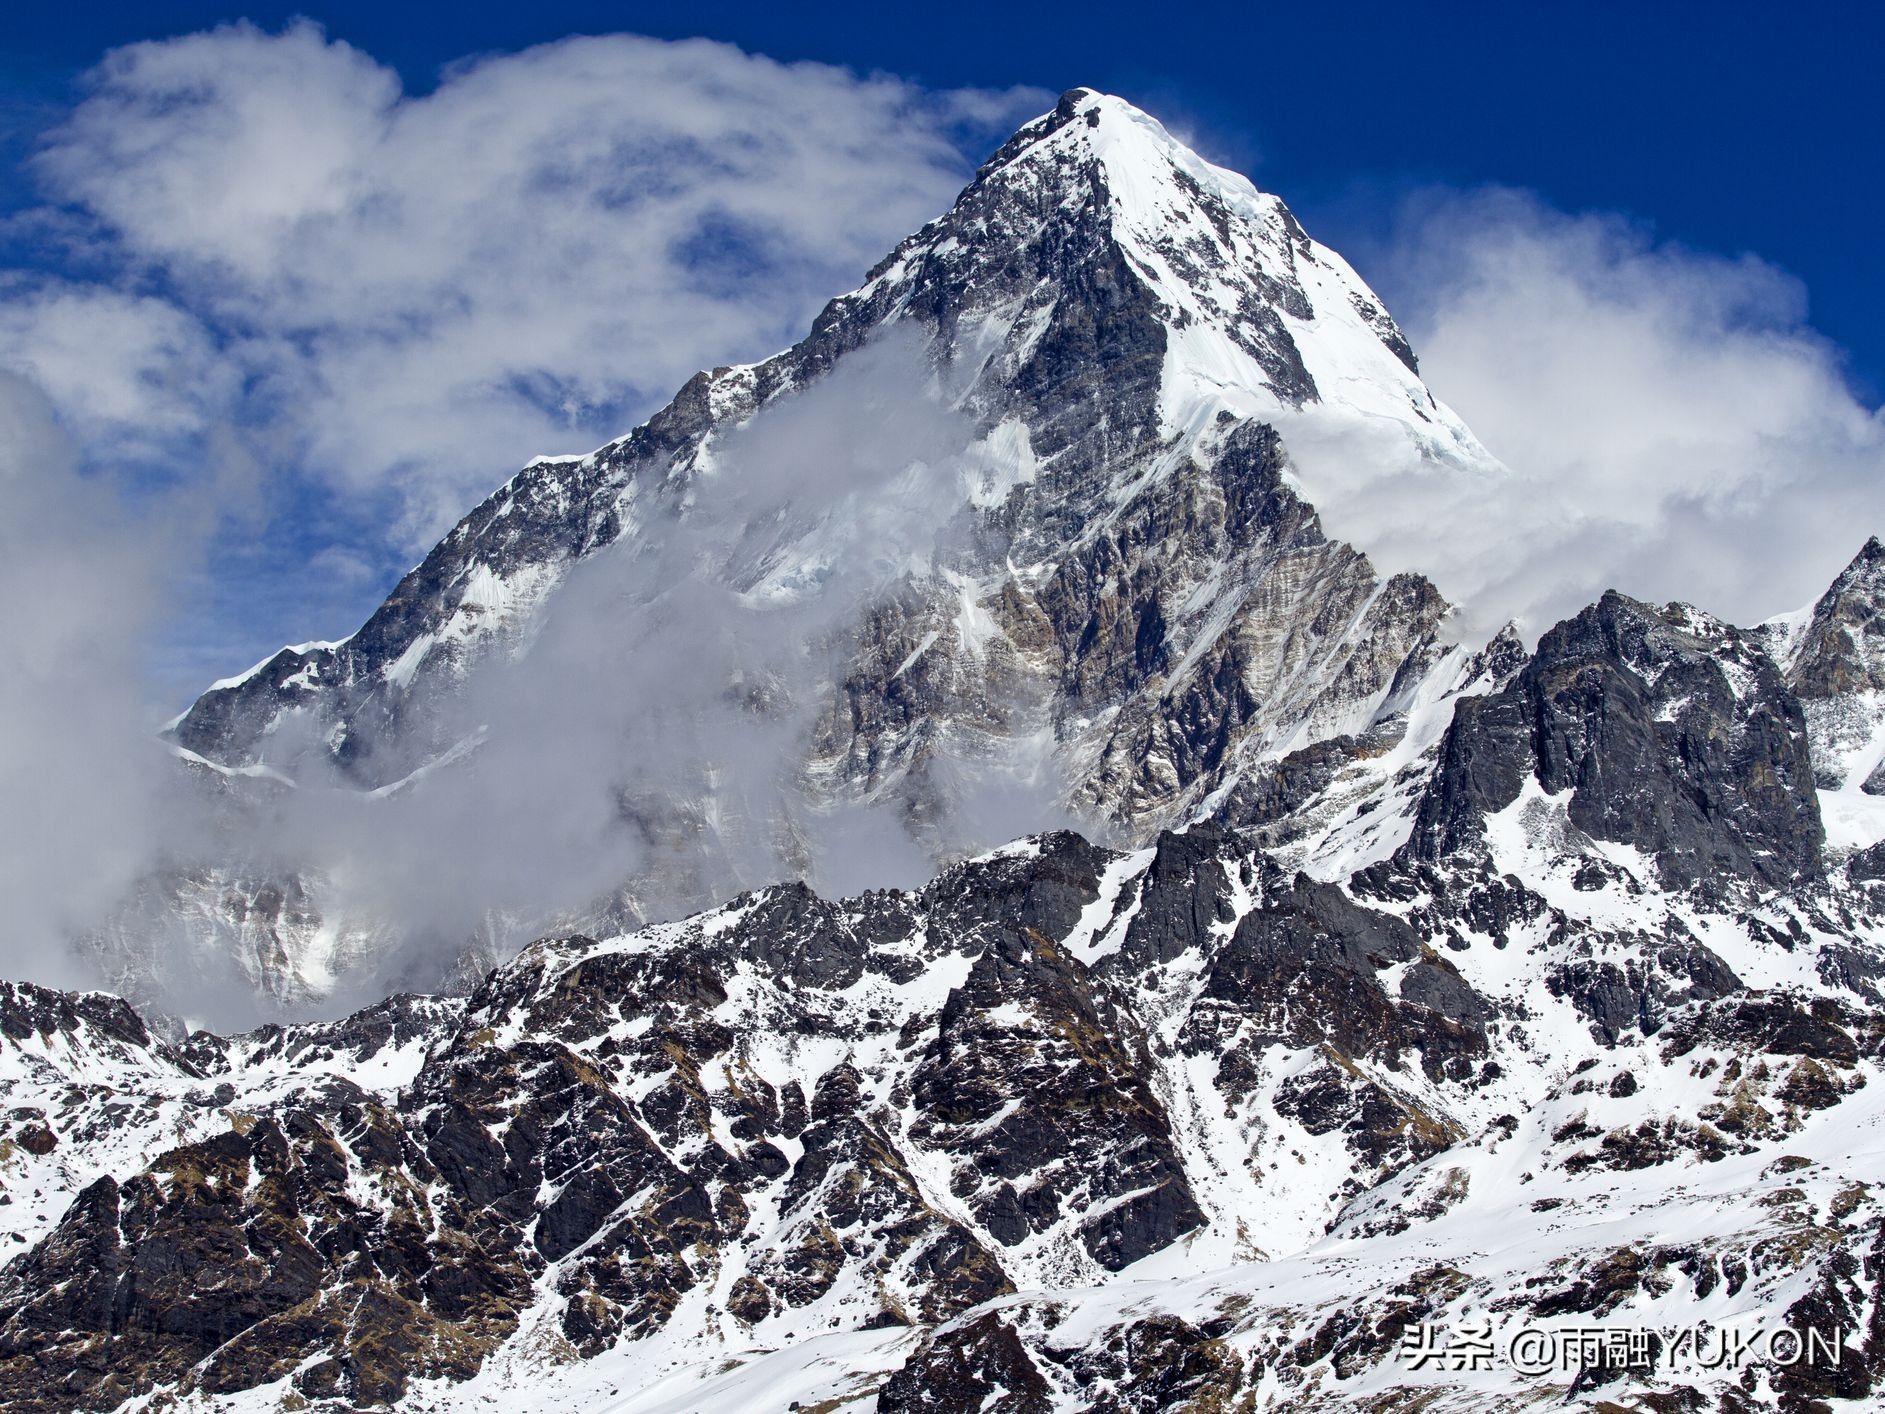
pixel 1597 1046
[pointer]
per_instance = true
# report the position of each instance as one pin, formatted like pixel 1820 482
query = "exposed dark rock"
pixel 1158 1364
pixel 975 1366
pixel 1638 993
pixel 1768 1024
pixel 1183 896
pixel 1302 968
pixel 29 1010
pixel 1035 1071
pixel 1670 730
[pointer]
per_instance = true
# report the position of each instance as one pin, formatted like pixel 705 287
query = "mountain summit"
pixel 1099 300
pixel 1024 501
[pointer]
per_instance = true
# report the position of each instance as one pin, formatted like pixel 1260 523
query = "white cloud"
pixel 80 775
pixel 1674 427
pixel 281 277
pixel 126 371
pixel 425 290
pixel 657 724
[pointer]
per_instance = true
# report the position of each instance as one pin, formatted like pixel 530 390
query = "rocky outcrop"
pixel 1035 1079
pixel 1671 731
pixel 1052 1066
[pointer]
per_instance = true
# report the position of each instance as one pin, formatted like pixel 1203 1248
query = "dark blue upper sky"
pixel 1728 126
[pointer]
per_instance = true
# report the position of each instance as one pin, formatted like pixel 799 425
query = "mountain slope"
pixel 1394 984
pixel 1067 1128
pixel 1099 294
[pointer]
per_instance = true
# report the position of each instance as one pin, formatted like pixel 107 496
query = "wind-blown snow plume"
pixel 664 695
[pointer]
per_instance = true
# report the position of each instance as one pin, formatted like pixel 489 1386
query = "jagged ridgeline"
pixel 1410 984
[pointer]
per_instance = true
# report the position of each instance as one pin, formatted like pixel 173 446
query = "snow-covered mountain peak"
pixel 1144 165
pixel 1259 319
pixel 1095 372
pixel 1837 643
pixel 1410 986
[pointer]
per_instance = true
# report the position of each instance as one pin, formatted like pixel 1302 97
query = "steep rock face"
pixel 30 1011
pixel 1036 1078
pixel 1837 648
pixel 661 1154
pixel 1098 289
pixel 1833 655
pixel 1303 969
pixel 1672 733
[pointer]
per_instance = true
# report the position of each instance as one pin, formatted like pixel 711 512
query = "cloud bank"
pixel 1673 425
pixel 645 754
pixel 82 781
pixel 267 278
pixel 403 297
pixel 662 704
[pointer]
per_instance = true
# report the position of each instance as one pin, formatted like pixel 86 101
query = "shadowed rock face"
pixel 1183 897
pixel 1036 299
pixel 1672 732
pixel 36 1011
pixel 1035 1077
pixel 792 1115
pixel 601 1117
pixel 1303 967
pixel 1837 650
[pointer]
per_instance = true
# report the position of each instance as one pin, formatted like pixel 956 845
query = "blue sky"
pixel 1731 126
pixel 252 355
